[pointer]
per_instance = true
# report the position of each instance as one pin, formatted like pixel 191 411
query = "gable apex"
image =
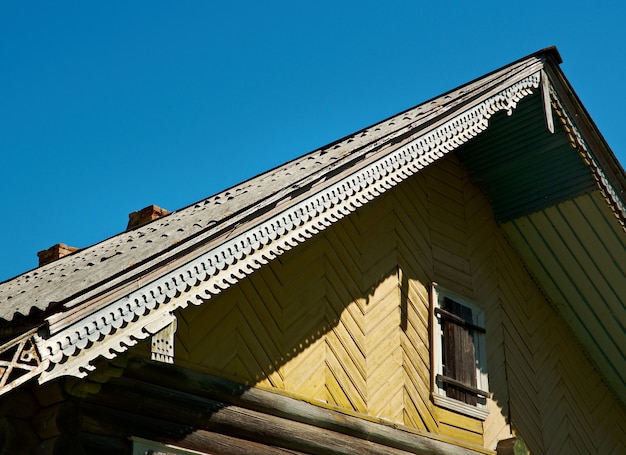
pixel 119 292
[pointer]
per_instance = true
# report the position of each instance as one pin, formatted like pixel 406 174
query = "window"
pixel 459 369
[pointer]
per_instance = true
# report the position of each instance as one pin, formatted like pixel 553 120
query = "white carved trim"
pixel 547 105
pixel 19 361
pixel 236 258
pixel 162 347
pixel 578 142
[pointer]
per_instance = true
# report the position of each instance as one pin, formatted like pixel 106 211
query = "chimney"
pixel 145 215
pixel 55 252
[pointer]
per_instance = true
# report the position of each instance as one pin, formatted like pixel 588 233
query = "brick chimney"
pixel 145 215
pixel 135 219
pixel 55 252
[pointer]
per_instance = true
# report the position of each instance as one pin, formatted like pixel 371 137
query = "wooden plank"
pixel 350 329
pixel 300 425
pixel 453 278
pixel 351 357
pixel 237 422
pixel 602 328
pixel 613 242
pixel 419 411
pixel 56 419
pixel 460 434
pixel 416 342
pixel 451 168
pixel 443 210
pixel 385 397
pixel 261 330
pixel 95 444
pixel 465 423
pixel 59 445
pixel 602 251
pixel 349 390
pixel 263 304
pixel 302 260
pixel 443 231
pixel 496 427
pixel 16 436
pixel 414 253
pixel 578 276
pixel 455 259
pixel 304 374
pixel 442 187
pixel 343 271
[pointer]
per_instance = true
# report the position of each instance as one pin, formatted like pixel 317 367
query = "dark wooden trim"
pixel 458 320
pixel 460 385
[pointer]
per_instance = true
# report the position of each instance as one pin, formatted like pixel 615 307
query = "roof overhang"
pixel 559 198
pixel 109 318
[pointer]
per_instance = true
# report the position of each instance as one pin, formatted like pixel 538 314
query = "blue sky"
pixel 108 107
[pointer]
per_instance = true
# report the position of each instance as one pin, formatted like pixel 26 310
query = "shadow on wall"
pixel 341 320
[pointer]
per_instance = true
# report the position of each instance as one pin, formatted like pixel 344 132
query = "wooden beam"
pixel 60 445
pixel 135 402
pixel 16 436
pixel 56 420
pixel 235 401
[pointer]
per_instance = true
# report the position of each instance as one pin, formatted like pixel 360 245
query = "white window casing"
pixel 438 376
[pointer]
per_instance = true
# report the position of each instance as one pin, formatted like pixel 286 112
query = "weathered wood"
pixel 273 404
pixel 16 437
pixel 327 321
pixel 100 420
pixel 95 444
pixel 455 419
pixel 50 393
pixel 57 419
pixel 511 446
pixel 20 403
pixel 220 444
pixel 106 431
pixel 235 421
pixel 60 445
pixel 121 423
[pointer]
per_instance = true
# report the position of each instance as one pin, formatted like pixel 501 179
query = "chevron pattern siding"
pixel 342 320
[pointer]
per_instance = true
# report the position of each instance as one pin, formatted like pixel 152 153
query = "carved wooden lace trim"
pixel 19 361
pixel 236 258
pixel 578 142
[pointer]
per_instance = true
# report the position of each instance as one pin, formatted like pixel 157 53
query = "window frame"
pixel 438 391
pixel 147 447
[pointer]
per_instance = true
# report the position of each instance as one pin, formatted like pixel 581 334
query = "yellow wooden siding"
pixel 343 320
pixel 590 296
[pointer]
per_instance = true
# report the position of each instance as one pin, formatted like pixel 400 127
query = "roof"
pixel 122 254
pixel 125 288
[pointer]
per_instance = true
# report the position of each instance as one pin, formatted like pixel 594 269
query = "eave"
pixel 294 202
pixel 559 198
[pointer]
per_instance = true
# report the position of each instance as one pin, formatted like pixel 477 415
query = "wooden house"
pixel 451 280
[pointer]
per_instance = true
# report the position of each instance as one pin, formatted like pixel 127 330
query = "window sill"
pixel 479 412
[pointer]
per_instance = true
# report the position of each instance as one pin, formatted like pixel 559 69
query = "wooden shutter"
pixel 459 352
